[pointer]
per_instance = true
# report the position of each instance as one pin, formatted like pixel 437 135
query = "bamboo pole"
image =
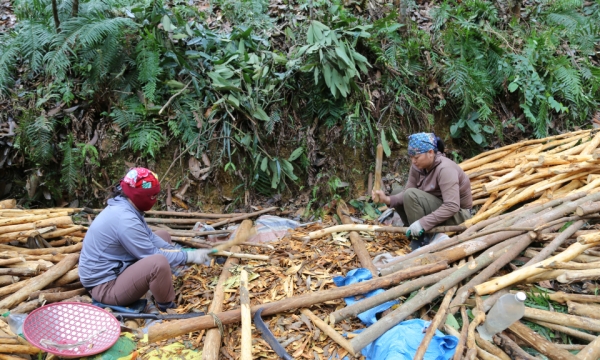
pixel 56 221
pixel 40 281
pixel 540 343
pixel 578 322
pixel 329 331
pixel 460 347
pixel 29 219
pixel 191 214
pixel 490 348
pixel 179 327
pixel 479 318
pixel 19 349
pixel 375 228
pixel 357 243
pixel 437 274
pixel 426 296
pixel 8 204
pixel 591 351
pixel 60 250
pixel 378 164
pixel 8 279
pixel 61 296
pixel 435 323
pixel 62 232
pixel 588 310
pixel 244 217
pixel 522 274
pixel 586 209
pixel 242 256
pixel 67 278
pixel 563 297
pixel 212 341
pixel 567 330
pixel 511 348
pixel 7 237
pixel 246 318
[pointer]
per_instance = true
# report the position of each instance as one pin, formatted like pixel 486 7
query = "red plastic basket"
pixel 71 330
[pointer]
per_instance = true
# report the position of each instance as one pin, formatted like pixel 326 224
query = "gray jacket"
pixel 118 237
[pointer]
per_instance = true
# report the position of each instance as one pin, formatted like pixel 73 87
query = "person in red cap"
pixel 122 258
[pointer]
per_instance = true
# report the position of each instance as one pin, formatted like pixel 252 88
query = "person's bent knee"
pixel 163 234
pixel 410 195
pixel 159 262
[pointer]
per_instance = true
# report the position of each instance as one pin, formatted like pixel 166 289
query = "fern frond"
pixel 40 134
pixel 146 137
pixel 569 19
pixel 70 172
pixel 9 52
pixel 34 39
pixel 148 64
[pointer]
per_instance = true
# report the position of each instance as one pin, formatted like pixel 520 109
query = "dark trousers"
pixel 152 273
pixel 418 203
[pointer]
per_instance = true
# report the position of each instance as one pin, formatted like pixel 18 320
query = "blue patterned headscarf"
pixel 421 143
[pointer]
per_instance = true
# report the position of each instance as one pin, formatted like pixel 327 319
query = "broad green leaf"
pixel 451 321
pixel 288 169
pixel 454 130
pixel 233 100
pixel 513 86
pixel 180 36
pixel 264 164
pixel 296 153
pixel 394 136
pixel 341 52
pixel 385 145
pixel 260 114
pixel 370 211
pixel 166 23
pixel 175 84
pixel 477 137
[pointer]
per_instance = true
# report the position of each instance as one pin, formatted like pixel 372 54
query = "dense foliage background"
pixel 279 94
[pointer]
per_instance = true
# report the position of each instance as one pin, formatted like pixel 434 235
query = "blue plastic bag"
pixel 402 341
pixel 357 275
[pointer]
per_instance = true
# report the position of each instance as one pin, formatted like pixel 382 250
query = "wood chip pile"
pixel 535 230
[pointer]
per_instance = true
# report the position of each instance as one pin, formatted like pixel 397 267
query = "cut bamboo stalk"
pixel 522 274
pixel 589 310
pixel 357 243
pixel 8 204
pixel 491 348
pixel 479 319
pixel 19 349
pixel 589 238
pixel 375 228
pixel 4 238
pixel 62 232
pixel 212 341
pixel 244 217
pixel 562 297
pixel 472 164
pixel 591 351
pixel 592 177
pixel 592 145
pixel 586 209
pixel 567 330
pixel 488 202
pixel 61 296
pixel 246 318
pixel 29 219
pixel 10 261
pixel 8 279
pixel 578 322
pixel 242 256
pixel 435 323
pixel 426 296
pixel 511 348
pixel 179 327
pixel 190 214
pixel 557 242
pixel 19 271
pixel 540 343
pixel 60 250
pixel 67 278
pixel 56 221
pixel 572 266
pixel 378 164
pixel 40 281
pixel 462 337
pixel 329 331
pixel 437 274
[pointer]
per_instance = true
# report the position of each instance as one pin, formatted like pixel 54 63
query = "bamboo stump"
pixel 357 243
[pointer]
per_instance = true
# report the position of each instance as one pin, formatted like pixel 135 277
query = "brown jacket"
pixel 446 181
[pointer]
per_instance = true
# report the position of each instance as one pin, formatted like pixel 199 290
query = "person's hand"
pixel 415 230
pixel 383 198
pixel 199 256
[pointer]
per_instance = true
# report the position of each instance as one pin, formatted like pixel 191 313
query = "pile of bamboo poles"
pixel 542 169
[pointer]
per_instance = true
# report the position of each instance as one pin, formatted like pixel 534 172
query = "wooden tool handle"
pixel 244 232
pixel 377 182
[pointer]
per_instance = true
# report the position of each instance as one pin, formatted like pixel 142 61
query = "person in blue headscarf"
pixel 438 191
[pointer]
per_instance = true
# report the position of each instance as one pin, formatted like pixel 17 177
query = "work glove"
pixel 415 230
pixel 199 256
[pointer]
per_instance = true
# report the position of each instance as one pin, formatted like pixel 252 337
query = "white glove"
pixel 199 257
pixel 415 230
